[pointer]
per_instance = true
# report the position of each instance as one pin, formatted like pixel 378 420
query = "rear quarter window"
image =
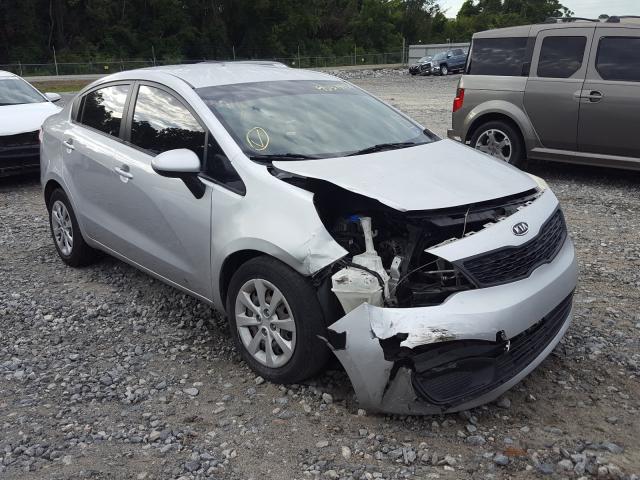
pixel 500 56
pixel 619 59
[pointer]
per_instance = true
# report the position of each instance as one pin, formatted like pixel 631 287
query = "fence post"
pixel 355 53
pixel 55 60
pixel 403 50
pixel 20 67
pixel 233 47
pixel 153 54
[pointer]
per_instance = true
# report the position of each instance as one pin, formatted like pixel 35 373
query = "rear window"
pixel 619 59
pixel 561 57
pixel 500 56
pixel 102 109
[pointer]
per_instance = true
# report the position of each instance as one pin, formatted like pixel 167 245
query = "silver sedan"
pixel 322 221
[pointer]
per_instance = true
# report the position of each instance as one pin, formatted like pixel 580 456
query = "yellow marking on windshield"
pixel 258 139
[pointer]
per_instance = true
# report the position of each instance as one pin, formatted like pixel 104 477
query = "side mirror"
pixel 53 97
pixel 183 164
pixel 176 163
pixel 449 55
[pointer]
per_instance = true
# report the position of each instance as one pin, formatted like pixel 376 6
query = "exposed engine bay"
pixel 388 262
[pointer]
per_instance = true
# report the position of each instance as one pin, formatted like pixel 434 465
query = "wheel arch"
pixel 506 112
pixel 49 188
pixel 229 267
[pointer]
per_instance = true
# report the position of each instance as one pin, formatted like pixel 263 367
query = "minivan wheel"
pixel 500 140
pixel 276 320
pixel 444 70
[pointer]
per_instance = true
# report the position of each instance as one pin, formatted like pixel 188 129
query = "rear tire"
pixel 279 342
pixel 67 238
pixel 500 140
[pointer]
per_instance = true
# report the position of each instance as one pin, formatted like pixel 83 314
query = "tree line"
pixel 80 30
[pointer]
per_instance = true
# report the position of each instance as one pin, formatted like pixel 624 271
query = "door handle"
pixel 69 144
pixel 594 96
pixel 123 172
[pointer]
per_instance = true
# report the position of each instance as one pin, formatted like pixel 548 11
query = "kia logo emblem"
pixel 520 229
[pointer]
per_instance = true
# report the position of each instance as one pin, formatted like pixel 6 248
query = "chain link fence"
pixel 112 66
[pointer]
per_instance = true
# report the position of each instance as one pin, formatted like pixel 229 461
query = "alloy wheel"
pixel 62 227
pixel 496 143
pixel 265 323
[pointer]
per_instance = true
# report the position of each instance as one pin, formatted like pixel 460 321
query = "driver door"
pixel 162 226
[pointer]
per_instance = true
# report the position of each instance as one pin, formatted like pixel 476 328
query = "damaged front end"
pixel 443 310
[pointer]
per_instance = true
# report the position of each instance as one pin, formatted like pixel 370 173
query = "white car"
pixel 22 110
pixel 321 219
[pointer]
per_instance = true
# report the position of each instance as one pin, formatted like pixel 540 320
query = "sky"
pixel 581 8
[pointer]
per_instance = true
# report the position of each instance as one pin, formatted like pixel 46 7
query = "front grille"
pixel 17 151
pixel 473 369
pixel 20 139
pixel 509 264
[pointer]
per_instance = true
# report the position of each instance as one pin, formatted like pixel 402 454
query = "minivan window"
pixel 498 56
pixel 161 122
pixel 619 59
pixel 102 109
pixel 561 57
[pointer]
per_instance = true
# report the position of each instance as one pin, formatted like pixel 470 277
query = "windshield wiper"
pixel 385 146
pixel 281 156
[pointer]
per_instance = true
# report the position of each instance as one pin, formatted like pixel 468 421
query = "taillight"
pixel 459 100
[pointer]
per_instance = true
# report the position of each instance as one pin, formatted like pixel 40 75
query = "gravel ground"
pixel 107 373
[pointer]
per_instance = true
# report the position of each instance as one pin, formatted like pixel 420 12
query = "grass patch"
pixel 61 86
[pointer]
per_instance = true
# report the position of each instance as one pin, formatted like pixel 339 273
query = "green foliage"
pixel 477 15
pixel 110 30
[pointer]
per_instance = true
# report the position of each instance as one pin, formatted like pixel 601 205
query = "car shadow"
pixel 19 181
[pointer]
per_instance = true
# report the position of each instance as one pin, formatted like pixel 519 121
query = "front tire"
pixel 500 140
pixel 444 70
pixel 275 320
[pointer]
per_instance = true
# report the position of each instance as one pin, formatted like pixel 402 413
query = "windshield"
pixel 309 119
pixel 440 56
pixel 424 59
pixel 14 91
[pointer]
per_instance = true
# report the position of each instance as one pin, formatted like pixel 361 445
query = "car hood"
pixel 437 175
pixel 25 118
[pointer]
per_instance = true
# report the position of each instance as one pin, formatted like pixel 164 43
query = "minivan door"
pixel 162 226
pixel 557 72
pixel 610 98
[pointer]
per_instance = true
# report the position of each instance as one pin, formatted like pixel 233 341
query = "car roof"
pixel 5 74
pixel 208 74
pixel 533 30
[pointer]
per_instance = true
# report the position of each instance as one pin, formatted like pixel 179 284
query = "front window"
pixel 14 91
pixel 161 123
pixel 309 119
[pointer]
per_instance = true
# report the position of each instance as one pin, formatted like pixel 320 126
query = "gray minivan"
pixel 567 92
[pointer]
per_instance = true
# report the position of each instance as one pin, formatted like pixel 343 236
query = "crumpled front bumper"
pixel 508 330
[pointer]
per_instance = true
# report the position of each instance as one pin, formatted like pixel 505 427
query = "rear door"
pixel 610 103
pixel 557 73
pixel 459 58
pixel 91 149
